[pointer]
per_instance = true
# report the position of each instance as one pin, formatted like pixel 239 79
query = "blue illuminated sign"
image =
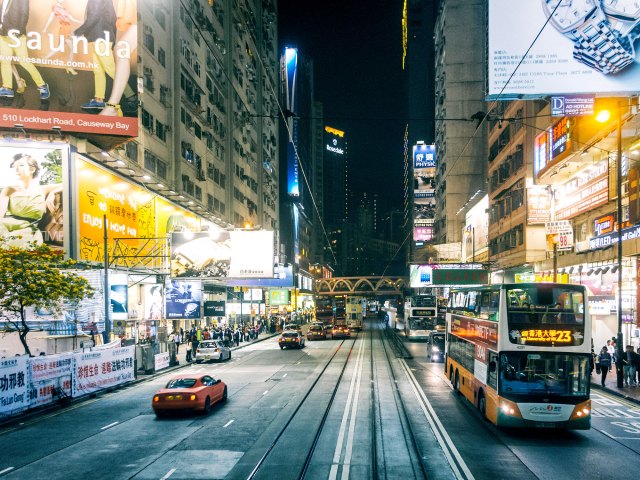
pixel 424 156
pixel 290 66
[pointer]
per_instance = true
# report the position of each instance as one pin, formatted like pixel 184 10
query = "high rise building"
pixel 460 67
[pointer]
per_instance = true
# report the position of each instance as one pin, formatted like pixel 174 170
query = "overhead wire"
pixel 289 135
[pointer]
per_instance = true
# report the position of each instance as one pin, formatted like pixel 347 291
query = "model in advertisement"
pixel 24 203
pixel 64 18
pixel 126 24
pixel 14 15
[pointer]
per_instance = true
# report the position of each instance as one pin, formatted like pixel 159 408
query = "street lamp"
pixel 602 117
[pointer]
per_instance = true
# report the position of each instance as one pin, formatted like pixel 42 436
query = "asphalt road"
pixel 331 410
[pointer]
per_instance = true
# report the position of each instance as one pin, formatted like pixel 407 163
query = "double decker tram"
pixel 420 316
pixel 520 353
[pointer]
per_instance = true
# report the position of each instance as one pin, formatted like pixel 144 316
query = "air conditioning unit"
pixel 147 71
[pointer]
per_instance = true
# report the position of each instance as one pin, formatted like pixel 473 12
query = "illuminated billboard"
pixel 538 205
pixel 424 193
pixel 131 210
pixel 69 66
pixel 552 146
pixel 31 192
pixel 252 254
pixel 334 141
pixel 584 47
pixel 428 275
pixel 584 191
pixel 289 66
pixel 183 299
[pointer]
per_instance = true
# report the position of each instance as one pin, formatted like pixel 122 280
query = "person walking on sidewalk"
pixel 629 366
pixel 177 338
pixel 604 361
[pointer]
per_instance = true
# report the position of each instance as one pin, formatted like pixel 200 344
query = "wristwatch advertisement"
pixel 603 31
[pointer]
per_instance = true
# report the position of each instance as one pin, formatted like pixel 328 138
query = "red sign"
pixel 475 330
pixel 605 224
pixel 69 122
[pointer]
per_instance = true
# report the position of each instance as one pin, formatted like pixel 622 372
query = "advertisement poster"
pixel 62 62
pixel 252 254
pixel 201 254
pixel 48 372
pixel 424 198
pixel 279 297
pixel 289 68
pixel 153 302
pixel 100 369
pixel 214 308
pixel 32 184
pixel 560 61
pixel 131 210
pixel 183 299
pixel 119 296
pixel 538 205
pixel 13 385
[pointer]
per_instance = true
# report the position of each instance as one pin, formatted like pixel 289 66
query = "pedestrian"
pixel 236 337
pixel 177 339
pixel 638 366
pixel 604 364
pixel 629 366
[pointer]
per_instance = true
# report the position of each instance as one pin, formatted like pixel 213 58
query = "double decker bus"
pixel 355 308
pixel 420 316
pixel 324 310
pixel 520 353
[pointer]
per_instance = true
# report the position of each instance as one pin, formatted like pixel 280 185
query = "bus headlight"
pixel 435 349
pixel 510 408
pixel 582 410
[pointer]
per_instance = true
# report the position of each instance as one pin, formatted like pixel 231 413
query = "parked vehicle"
pixel 212 350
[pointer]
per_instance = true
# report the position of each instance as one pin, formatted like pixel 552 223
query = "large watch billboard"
pixel 583 46
pixel 69 66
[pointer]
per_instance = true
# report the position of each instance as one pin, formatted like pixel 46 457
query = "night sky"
pixel 356 48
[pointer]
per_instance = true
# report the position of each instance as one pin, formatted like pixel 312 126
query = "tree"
pixel 35 276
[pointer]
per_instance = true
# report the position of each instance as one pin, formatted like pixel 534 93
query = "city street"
pixel 279 420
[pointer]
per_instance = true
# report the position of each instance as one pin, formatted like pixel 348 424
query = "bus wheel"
pixel 482 404
pixel 456 383
pixel 451 375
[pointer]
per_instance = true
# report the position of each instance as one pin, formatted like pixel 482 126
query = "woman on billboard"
pixel 23 204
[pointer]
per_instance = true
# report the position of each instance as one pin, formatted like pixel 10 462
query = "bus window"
pixel 492 376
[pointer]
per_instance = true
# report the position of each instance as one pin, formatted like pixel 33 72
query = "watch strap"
pixel 597 46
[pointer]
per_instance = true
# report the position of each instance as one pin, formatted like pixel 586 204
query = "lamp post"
pixel 602 117
pixel 619 370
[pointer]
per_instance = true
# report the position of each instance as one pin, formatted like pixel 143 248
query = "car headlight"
pixel 436 349
pixel 156 398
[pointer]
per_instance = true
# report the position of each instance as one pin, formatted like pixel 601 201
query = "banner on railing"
pixel 13 385
pixel 93 371
pixel 45 374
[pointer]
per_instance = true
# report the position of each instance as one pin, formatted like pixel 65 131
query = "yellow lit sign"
pixel 546 336
pixel 334 131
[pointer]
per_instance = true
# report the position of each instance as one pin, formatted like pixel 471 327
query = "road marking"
pixel 333 474
pixel 265 392
pixel 459 467
pixel 169 473
pixel 109 426
pixel 285 375
pixel 228 423
pixel 6 470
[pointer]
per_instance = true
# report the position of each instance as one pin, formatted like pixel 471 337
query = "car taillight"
pixel 156 398
pixel 217 350
pixel 192 397
pixel 296 339
pixel 197 350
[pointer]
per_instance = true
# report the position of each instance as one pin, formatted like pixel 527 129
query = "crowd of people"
pixel 230 337
pixel 629 363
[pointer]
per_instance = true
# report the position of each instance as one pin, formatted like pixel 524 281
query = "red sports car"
pixel 189 392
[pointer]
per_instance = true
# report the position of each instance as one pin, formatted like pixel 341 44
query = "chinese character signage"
pixel 447 274
pixel 584 191
pixel 48 372
pixel 98 369
pixel 538 205
pixel 556 62
pixel 424 173
pixel 13 385
pixel 57 58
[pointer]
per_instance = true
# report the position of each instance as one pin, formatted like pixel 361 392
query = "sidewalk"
pixel 611 386
pixel 182 358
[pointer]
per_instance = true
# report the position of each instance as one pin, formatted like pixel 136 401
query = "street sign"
pixel 559 234
pixel 572 105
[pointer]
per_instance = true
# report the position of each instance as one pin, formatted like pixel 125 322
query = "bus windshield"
pixel 548 374
pixel 417 323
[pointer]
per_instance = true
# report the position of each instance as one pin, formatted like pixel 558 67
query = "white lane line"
pixel 109 426
pixel 168 474
pixel 284 375
pixel 352 426
pixel 265 392
pixel 458 465
pixel 333 474
pixel 6 470
pixel 228 423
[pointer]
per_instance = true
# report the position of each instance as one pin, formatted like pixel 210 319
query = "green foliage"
pixel 51 168
pixel 34 277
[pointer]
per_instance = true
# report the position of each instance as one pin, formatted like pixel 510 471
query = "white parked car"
pixel 212 350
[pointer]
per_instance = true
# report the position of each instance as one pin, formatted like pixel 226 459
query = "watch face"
pixel 624 9
pixel 570 14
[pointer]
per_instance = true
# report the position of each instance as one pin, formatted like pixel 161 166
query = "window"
pixel 147 120
pixel 131 150
pixel 147 39
pixel 161 56
pixel 161 131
